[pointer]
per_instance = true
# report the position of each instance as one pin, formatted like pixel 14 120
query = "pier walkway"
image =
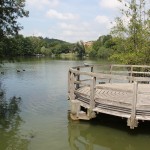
pixel 119 90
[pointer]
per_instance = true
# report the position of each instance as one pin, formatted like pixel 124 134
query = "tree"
pixel 132 37
pixel 80 49
pixel 10 11
pixel 102 48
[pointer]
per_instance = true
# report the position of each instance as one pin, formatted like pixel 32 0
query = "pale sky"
pixel 70 20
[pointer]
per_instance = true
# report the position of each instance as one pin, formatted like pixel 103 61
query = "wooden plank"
pixel 140 117
pixel 81 83
pixel 114 113
pixel 122 87
pixel 141 79
pixel 115 103
pixel 82 94
pixel 116 108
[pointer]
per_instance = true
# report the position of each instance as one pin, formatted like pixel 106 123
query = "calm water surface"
pixel 43 123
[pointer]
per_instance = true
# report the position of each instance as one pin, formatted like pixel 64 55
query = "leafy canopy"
pixel 132 33
pixel 10 11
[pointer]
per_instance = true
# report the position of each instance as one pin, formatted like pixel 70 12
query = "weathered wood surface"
pixel 118 94
pixel 129 99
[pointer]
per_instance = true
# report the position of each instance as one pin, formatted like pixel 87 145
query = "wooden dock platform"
pixel 119 90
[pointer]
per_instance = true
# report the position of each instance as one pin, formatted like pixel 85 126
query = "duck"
pixel 18 70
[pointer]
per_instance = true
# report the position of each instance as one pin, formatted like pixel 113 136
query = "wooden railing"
pixel 93 75
pixel 129 75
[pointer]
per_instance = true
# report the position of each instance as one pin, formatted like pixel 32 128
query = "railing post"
pixel 133 114
pixel 110 71
pixel 91 114
pixel 92 69
pixel 69 82
pixel 78 78
pixel 131 74
pixel 132 122
pixel 72 87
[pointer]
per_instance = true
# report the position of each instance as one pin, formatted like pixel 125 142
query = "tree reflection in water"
pixel 10 122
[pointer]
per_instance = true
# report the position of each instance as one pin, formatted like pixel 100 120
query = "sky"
pixel 70 20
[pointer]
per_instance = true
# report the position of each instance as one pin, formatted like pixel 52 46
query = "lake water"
pixel 43 122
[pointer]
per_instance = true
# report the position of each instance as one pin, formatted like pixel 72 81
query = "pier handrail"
pixel 76 72
pixel 130 70
pixel 134 74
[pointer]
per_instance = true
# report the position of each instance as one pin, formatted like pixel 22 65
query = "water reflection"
pixel 103 135
pixel 10 122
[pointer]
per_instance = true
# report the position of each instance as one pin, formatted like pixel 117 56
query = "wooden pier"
pixel 119 90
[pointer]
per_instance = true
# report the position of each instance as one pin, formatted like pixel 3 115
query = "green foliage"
pixel 21 46
pixel 102 48
pixel 128 58
pixel 57 46
pixel 12 44
pixel 37 44
pixel 93 53
pixel 104 52
pixel 10 11
pixel 80 49
pixel 46 51
pixel 132 38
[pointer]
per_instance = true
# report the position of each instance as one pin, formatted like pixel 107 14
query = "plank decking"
pixel 130 99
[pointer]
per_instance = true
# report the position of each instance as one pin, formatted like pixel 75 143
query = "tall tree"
pixel 80 49
pixel 10 11
pixel 132 33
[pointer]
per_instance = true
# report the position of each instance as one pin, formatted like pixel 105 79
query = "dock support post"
pixel 75 109
pixel 91 114
pixel 132 122
pixel 75 104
